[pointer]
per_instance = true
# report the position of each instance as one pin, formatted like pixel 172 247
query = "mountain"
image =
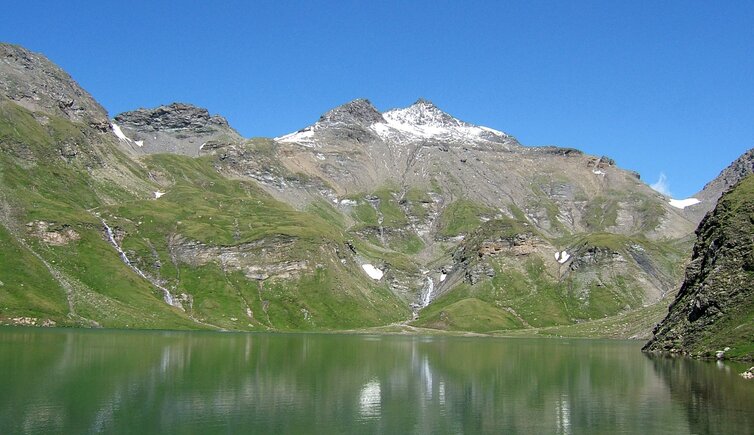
pixel 714 309
pixel 168 218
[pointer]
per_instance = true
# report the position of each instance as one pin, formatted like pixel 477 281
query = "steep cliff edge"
pixel 714 309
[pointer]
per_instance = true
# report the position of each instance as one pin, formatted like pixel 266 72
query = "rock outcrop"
pixel 714 307
pixel 728 177
pixel 33 82
pixel 741 168
pixel 177 128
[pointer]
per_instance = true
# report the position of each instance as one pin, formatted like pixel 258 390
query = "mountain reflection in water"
pixel 86 381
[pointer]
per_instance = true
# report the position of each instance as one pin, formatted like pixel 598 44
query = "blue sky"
pixel 660 86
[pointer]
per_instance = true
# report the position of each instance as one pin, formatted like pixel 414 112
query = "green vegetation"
pixel 199 206
pixel 27 287
pixel 714 310
pixel 471 314
pixel 600 213
pixel 462 216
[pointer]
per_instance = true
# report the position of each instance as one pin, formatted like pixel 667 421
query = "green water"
pixel 104 381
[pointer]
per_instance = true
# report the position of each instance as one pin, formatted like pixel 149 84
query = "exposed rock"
pixel 259 260
pixel 748 374
pixel 52 233
pixel 176 116
pixel 742 167
pixel 716 299
pixel 32 321
pixel 360 112
pixel 559 151
pixel 32 81
pixel 176 128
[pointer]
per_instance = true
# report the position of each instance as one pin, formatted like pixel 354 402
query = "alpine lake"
pixel 119 381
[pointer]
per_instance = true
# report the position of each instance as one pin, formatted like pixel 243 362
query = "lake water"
pixel 92 381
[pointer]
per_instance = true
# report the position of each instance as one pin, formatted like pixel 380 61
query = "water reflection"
pixel 710 393
pixel 113 381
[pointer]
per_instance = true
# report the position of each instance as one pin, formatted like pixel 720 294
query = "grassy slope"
pixel 201 205
pixel 522 293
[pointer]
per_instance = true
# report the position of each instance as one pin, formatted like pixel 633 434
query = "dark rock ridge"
pixel 175 116
pixel 33 82
pixel 177 128
pixel 713 308
pixel 730 176
pixel 360 112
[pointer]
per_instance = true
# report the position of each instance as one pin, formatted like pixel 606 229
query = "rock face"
pixel 176 116
pixel 729 177
pixel 359 112
pixel 741 168
pixel 33 82
pixel 714 308
pixel 177 128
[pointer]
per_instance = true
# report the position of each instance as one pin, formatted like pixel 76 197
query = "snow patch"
pixel 303 137
pixel 139 143
pixel 562 257
pixel 118 132
pixel 683 203
pixel 372 271
pixel 157 195
pixel 598 172
pixel 443 276
pixel 425 121
pixel 398 127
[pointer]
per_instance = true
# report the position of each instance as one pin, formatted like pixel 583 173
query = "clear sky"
pixel 660 86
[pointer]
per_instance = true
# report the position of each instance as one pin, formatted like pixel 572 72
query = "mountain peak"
pixel 423 112
pixel 728 177
pixel 32 81
pixel 174 116
pixel 360 111
pixel 420 121
pixel 424 120
pixel 423 102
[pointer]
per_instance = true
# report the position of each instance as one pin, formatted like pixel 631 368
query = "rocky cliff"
pixel 739 169
pixel 176 128
pixel 33 82
pixel 713 313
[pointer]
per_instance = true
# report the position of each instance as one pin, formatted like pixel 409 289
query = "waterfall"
pixel 167 296
pixel 429 287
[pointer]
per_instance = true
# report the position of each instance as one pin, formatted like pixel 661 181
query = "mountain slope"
pixel 714 309
pixel 443 192
pixel 93 234
pixel 167 218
